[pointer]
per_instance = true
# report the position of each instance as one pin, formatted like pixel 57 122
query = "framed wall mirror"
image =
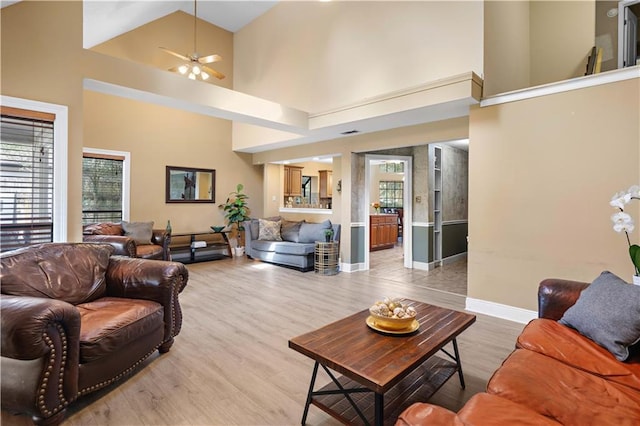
pixel 189 185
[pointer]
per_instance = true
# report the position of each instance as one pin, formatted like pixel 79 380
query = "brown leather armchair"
pixel 114 234
pixel 76 319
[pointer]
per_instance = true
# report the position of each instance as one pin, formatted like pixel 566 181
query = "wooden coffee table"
pixel 382 373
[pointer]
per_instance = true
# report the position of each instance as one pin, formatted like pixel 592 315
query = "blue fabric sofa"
pixel 296 247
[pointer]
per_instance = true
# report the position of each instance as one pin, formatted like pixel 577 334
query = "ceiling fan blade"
pixel 170 52
pixel 209 59
pixel 213 72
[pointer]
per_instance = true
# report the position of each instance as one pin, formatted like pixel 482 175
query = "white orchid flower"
pixel 622 222
pixel 634 191
pixel 620 199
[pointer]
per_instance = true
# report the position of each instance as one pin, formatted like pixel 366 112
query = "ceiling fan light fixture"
pixel 195 65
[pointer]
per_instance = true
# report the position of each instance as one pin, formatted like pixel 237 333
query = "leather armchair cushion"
pixel 150 251
pixel 111 323
pixel 563 393
pixel 566 345
pixel 74 273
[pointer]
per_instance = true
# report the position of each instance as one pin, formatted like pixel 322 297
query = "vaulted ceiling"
pixel 106 19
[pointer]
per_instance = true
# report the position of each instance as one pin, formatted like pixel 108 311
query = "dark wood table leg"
pixel 458 362
pixel 309 394
pixel 226 240
pixel 379 409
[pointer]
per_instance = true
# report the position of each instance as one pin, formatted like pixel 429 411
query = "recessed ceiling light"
pixel 613 12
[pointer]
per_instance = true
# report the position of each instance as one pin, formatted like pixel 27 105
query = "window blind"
pixel 26 178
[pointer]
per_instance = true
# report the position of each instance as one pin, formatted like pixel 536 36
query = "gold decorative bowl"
pixel 389 323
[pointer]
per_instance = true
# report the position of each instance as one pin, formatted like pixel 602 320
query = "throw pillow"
pixel 141 232
pixel 290 231
pixel 312 232
pixel 607 312
pixel 269 230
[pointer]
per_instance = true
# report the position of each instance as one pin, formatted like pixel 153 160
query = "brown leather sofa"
pixel 76 319
pixel 554 376
pixel 113 233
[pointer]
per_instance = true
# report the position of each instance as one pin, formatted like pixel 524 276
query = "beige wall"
pixel 41 57
pixel 528 43
pixel 318 56
pixel 158 136
pixel 506 46
pixel 562 35
pixel 607 34
pixel 542 173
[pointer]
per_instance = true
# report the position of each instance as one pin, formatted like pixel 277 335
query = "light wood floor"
pixel 231 365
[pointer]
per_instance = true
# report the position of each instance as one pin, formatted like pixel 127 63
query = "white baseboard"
pixel 499 310
pixel 454 258
pixel 421 266
pixel 351 267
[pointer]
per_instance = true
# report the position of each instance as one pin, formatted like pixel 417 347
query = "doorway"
pixel 389 201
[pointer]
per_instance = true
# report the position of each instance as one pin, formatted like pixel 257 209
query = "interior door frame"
pixel 407 228
pixel 622 6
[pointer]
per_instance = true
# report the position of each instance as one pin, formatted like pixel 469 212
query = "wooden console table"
pixel 194 247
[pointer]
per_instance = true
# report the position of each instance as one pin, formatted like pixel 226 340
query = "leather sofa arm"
pixel 555 296
pixel 124 246
pixel 162 238
pixel 40 354
pixel 156 280
pixel 424 414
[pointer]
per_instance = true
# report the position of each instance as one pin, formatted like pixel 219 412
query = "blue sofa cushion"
pixel 312 232
pixel 283 247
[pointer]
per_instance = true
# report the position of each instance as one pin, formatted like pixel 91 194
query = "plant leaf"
pixel 634 252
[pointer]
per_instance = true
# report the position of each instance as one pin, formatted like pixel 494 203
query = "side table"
pixel 326 257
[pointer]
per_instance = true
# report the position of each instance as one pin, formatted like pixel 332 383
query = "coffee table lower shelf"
pixel 418 386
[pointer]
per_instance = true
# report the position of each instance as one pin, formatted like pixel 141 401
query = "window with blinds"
pixel 102 180
pixel 26 178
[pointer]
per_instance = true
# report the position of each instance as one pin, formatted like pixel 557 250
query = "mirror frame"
pixel 173 170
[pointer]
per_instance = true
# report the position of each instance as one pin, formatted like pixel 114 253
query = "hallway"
pixel 450 278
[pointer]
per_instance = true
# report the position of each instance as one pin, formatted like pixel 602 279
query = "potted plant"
pixel 622 222
pixel 235 212
pixel 328 233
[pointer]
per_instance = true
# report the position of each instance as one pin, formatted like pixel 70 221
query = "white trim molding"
pixel 351 267
pixel 60 157
pixel 564 86
pixel 499 310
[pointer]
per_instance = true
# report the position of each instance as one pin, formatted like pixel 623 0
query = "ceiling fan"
pixel 195 67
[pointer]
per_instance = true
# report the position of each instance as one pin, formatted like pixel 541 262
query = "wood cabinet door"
pixel 374 235
pixel 326 183
pixel 295 182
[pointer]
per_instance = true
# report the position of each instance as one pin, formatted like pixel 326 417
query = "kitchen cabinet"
pixel 383 231
pixel 326 183
pixel 292 181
